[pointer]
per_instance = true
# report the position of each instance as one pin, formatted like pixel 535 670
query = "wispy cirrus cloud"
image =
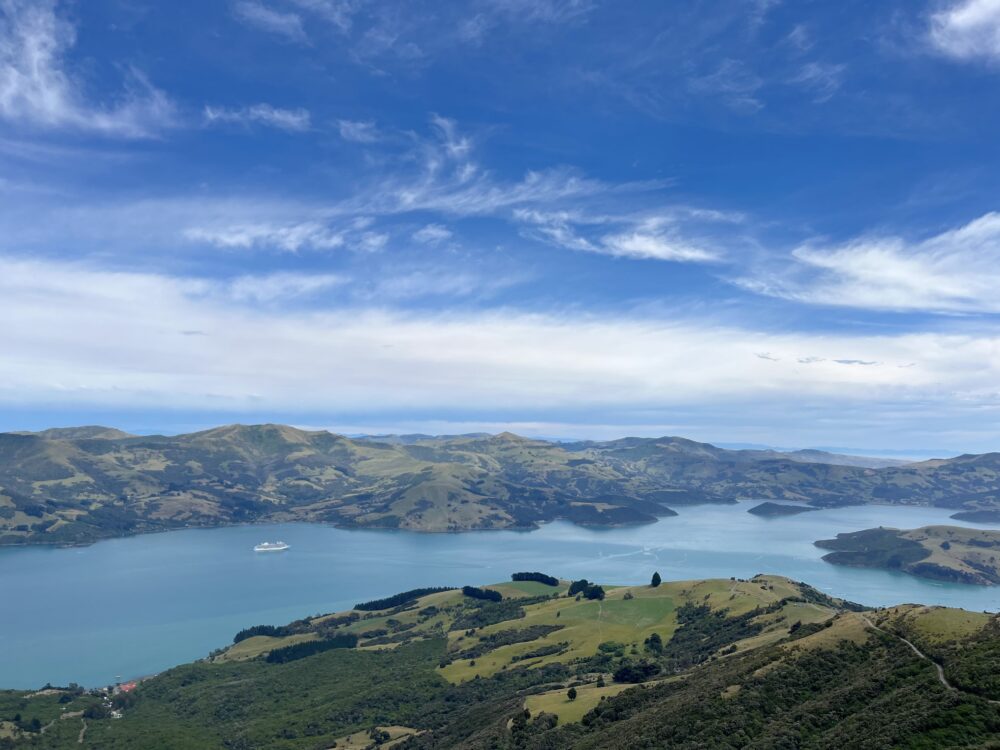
pixel 656 237
pixel 823 79
pixel 732 81
pixel 39 89
pixel 358 131
pixel 432 234
pixel 290 237
pixel 436 177
pixel 957 271
pixel 967 30
pixel 282 286
pixel 338 12
pixel 403 285
pixel 547 11
pixel 293 120
pixel 285 24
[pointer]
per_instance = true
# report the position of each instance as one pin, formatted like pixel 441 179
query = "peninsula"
pixel 941 553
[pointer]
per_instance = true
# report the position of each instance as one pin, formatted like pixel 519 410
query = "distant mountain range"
pixel 79 484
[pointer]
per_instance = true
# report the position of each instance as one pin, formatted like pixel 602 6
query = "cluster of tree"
pixel 274 631
pixel 821 698
pixel 702 631
pixel 549 649
pixel 336 622
pixel 636 671
pixel 507 637
pixel 397 600
pixel 587 589
pixel 490 613
pixel 973 664
pixel 308 648
pixel 538 577
pixel 487 595
pixel 654 644
pixel 378 736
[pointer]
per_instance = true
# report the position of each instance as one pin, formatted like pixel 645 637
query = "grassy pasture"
pixel 556 702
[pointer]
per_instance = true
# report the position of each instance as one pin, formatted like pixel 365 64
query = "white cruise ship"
pixel 270 547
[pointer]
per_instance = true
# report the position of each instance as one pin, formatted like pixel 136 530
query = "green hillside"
pixel 75 485
pixel 765 663
pixel 941 553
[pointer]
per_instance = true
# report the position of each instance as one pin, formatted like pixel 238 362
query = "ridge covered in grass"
pixel 74 486
pixel 715 663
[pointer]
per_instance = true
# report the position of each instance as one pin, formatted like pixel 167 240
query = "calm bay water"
pixel 131 607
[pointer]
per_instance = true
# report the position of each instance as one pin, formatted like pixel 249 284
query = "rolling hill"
pixel 940 553
pixel 759 663
pixel 76 485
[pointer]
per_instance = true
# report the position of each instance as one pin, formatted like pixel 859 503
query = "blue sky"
pixel 748 221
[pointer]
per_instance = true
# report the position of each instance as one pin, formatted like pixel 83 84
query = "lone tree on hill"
pixel 656 580
pixel 571 693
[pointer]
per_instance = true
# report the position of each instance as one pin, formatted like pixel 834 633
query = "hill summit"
pixel 74 485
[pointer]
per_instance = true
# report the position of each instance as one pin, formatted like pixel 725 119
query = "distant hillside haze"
pixel 76 485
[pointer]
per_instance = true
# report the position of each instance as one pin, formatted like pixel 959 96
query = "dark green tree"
pixel 594 592
pixel 578 587
pixel 656 580
pixel 654 643
pixel 571 693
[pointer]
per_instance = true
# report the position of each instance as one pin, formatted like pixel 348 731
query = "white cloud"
pixel 358 131
pixel 432 234
pixel 643 238
pixel 282 286
pixel 264 114
pixel 84 335
pixel 289 237
pixel 655 247
pixel 546 11
pixel 823 79
pixel 437 282
pixel 337 12
pixel 371 242
pixel 432 177
pixel 967 30
pixel 36 88
pixel 457 146
pixel 955 271
pixel 732 81
pixel 255 13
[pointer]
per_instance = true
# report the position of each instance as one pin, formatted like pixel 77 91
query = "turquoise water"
pixel 135 606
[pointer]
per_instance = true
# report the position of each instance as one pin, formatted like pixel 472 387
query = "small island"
pixel 940 553
pixel 774 510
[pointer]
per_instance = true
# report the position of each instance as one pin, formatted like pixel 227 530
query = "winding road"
pixel 940 670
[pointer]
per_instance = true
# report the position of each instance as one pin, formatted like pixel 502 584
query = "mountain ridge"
pixel 539 663
pixel 75 485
